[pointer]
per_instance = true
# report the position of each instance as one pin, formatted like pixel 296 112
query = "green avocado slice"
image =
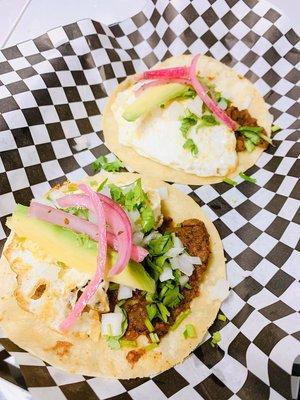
pixel 153 97
pixel 75 250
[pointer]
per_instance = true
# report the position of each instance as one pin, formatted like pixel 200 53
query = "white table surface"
pixel 25 19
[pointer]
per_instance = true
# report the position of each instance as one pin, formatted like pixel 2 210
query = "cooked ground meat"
pixel 195 238
pixel 133 356
pixel 137 313
pixel 243 118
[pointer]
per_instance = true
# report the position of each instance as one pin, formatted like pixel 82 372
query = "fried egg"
pixel 156 135
pixel 49 290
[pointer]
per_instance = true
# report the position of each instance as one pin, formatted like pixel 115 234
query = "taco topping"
pixel 134 302
pixel 191 118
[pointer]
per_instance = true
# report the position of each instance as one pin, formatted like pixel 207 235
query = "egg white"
pixel 156 135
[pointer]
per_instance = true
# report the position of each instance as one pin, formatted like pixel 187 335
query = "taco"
pixel 189 120
pixel 151 305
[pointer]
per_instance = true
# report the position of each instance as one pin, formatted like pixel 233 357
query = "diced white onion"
pixel 193 260
pixel 183 280
pixel 151 236
pixel 124 292
pixel 82 143
pixel 111 324
pixel 133 215
pixel 176 249
pixel 181 263
pixel 137 238
pixel 163 192
pixel 220 291
pixel 166 274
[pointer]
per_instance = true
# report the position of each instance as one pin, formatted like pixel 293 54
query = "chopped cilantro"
pixel 84 240
pixel 160 245
pixel 79 212
pixel 215 339
pixel 190 93
pixel 190 331
pixel 222 317
pixel 247 178
pixel 147 218
pixel 189 120
pixel 255 129
pixel 207 120
pixel 102 184
pixel 127 343
pixel 275 128
pixel 250 146
pixel 102 163
pixel 113 286
pixel 154 337
pixel 117 194
pixel 151 311
pixel 191 146
pixel 113 343
pixel 149 325
pixel 182 316
pixel 229 181
pixel 135 197
pixel 163 312
pixel 150 346
pixel 252 136
pixel 223 103
pixel 172 297
pixel 188 286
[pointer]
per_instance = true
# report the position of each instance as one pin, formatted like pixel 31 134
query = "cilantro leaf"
pixel 147 218
pixel 276 128
pixel 255 129
pixel 191 146
pixel 117 194
pixel 247 177
pixel 173 297
pixel 229 181
pixel 164 313
pixel 190 93
pixel 190 331
pixel 215 339
pixel 250 146
pixel 102 163
pixel 135 197
pixel 78 211
pixel 160 245
pixel 189 120
pixel 102 184
pixel 152 311
pixel 222 317
pixel 207 120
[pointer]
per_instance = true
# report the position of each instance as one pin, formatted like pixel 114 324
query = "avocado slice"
pixel 153 97
pixel 76 250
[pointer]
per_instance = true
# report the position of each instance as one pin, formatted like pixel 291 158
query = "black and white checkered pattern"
pixel 53 89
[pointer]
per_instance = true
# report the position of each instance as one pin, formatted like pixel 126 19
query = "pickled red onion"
pixel 79 225
pixel 158 82
pixel 211 104
pixel 166 73
pixel 118 221
pixel 94 283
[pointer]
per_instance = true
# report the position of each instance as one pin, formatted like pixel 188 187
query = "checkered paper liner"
pixel 53 89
